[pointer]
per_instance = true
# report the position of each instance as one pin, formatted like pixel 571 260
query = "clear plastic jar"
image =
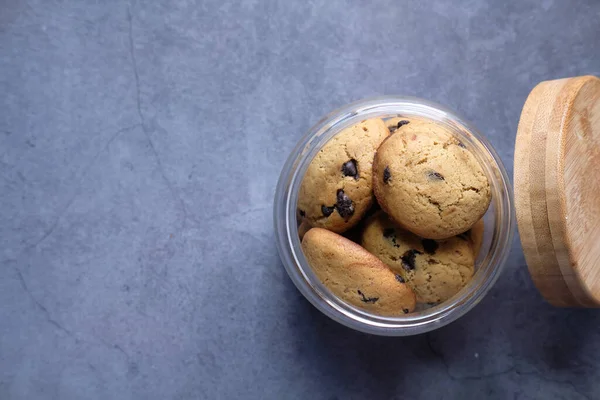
pixel 498 221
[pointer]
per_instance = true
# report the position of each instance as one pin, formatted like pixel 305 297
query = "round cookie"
pixel 436 270
pixel 336 190
pixel 428 182
pixel 355 275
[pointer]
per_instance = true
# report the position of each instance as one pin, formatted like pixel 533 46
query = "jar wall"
pixel 499 220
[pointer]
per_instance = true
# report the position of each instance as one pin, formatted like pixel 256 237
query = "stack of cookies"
pixel 391 214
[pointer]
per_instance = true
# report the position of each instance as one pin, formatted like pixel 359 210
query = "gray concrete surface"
pixel 140 144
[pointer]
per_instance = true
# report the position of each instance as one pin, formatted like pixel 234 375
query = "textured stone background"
pixel 140 145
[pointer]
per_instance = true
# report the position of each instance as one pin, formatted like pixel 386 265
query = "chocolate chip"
pixel 408 259
pixel 327 210
pixel 461 144
pixel 429 245
pixel 400 123
pixel 435 176
pixel 367 299
pixel 405 310
pixel 390 233
pixel 400 279
pixel 349 169
pixel 344 204
pixel 302 213
pixel 386 175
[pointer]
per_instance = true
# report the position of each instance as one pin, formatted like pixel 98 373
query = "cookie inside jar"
pixel 407 198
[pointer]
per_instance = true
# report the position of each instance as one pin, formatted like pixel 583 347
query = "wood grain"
pixel 579 185
pixel 549 165
pixel 530 203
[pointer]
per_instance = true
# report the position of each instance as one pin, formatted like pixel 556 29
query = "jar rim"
pixel 288 242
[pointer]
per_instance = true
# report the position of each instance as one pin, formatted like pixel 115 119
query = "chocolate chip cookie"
pixel 336 190
pixel 435 269
pixel 428 182
pixel 355 275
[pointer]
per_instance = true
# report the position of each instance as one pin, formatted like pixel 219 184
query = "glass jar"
pixel 498 221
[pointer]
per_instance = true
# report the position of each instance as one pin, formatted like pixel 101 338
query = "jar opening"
pixel 498 221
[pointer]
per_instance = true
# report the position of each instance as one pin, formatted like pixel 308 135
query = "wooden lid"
pixel 557 189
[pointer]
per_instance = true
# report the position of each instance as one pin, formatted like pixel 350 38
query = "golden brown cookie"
pixel 355 275
pixel 337 190
pixel 435 269
pixel 428 182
